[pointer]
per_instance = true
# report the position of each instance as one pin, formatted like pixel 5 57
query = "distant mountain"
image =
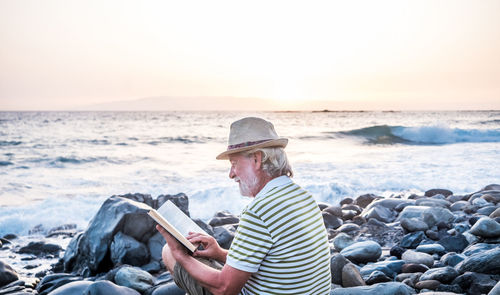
pixel 179 103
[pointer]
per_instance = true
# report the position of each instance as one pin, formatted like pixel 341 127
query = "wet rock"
pixel 53 281
pixel 479 247
pixel 486 210
pixel 431 249
pixel 486 228
pixel 134 278
pixel 364 200
pixel 495 213
pixel 482 262
pixel 430 215
pixel 438 191
pixel 223 218
pixel 348 214
pixel 77 287
pixel 342 241
pixel 389 288
pixel 107 287
pixel 337 263
pixel 362 252
pixel 224 235
pixel 348 228
pixel 127 250
pixel 454 243
pixel 180 200
pixel 476 283
pixel 155 246
pixel 411 256
pixel 351 276
pixel 389 267
pixel 413 224
pixel 380 213
pixel 7 274
pixel 322 205
pixel 433 235
pixel 116 214
pixel 495 290
pixel 452 259
pixel 377 277
pixel 458 206
pixel 331 221
pixel 397 251
pixel 433 203
pixel 427 284
pixel 168 289
pixel 40 248
pixel 443 274
pixel 412 240
pixel 334 210
pixel 346 201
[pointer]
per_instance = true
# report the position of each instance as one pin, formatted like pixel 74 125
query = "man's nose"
pixel 231 173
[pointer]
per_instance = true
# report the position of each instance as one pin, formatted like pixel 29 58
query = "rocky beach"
pixel 434 243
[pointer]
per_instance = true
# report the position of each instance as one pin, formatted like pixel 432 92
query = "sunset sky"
pixel 309 54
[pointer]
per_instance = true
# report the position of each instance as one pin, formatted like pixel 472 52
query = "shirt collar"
pixel 275 182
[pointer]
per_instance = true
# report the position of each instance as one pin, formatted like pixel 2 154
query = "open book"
pixel 178 224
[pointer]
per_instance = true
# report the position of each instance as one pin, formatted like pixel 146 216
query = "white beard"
pixel 247 188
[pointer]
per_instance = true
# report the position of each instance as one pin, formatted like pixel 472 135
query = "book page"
pixel 179 219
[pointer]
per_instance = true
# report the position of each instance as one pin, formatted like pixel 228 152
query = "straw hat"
pixel 249 133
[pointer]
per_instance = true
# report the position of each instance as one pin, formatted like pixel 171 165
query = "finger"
pixel 166 235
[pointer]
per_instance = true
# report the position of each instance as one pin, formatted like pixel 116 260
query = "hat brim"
pixel 281 142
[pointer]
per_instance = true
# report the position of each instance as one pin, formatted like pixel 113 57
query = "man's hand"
pixel 211 248
pixel 177 249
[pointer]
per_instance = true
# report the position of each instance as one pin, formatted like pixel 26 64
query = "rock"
pixel 127 250
pixel 7 274
pixel 40 248
pixel 337 263
pixel 53 281
pixel 342 241
pixel 431 249
pixel 71 288
pixel 412 240
pixel 482 262
pixel 134 278
pixel 348 214
pixel 432 234
pixel 377 277
pixel 334 210
pixel 223 218
pixel 413 224
pixel 486 228
pixel 352 207
pixel 331 221
pixel 168 289
pixel 452 259
pixel 443 274
pixel 437 191
pixel 449 289
pixel 458 206
pixel 389 267
pixel 414 267
pixel 107 287
pixel 454 198
pixel 180 200
pixel 411 256
pixel 495 290
pixel 88 256
pixel 364 200
pixel 427 284
pixel 478 202
pixel 348 228
pixel 224 235
pixel 323 205
pixel 479 247
pixel 433 203
pixel 389 288
pixel 380 213
pixel 351 276
pixel 476 283
pixel 454 243
pixel 362 252
pixel 346 201
pixel 487 210
pixel 155 246
pixel 430 215
pixel 495 213
pixel 397 251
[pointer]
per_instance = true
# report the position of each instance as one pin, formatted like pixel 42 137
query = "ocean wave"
pixel 490 122
pixel 5 163
pixel 179 139
pixel 11 142
pixel 424 135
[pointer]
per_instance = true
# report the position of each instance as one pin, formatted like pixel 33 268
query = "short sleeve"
pixel 251 243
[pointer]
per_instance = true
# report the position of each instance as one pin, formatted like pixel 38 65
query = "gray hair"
pixel 274 161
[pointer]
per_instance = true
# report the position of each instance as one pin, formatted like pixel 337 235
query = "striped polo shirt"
pixel 282 241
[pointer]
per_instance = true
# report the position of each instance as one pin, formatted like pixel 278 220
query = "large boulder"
pixel 483 262
pixel 89 255
pixel 7 274
pixel 362 252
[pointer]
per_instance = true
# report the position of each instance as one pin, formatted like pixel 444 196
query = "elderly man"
pixel 281 245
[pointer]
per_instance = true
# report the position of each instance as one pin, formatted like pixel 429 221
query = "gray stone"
pixel 40 248
pixel 348 228
pixel 331 221
pixel 495 213
pixel 452 258
pixel 389 288
pixel 454 243
pixel 479 247
pixel 377 277
pixel 480 202
pixel 476 283
pixel 107 288
pixel 337 263
pixel 342 241
pixel 440 191
pixel 482 262
pixel 443 274
pixel 362 252
pixel 351 276
pixel 223 218
pixel 495 290
pixel 427 284
pixel 487 210
pixel 412 240
pixel 134 278
pixel 414 268
pixel 127 250
pixel 155 246
pixel 380 213
pixel 413 224
pixel 364 200
pixel 486 228
pixel 224 235
pixel 334 210
pixel 431 249
pixel 72 288
pixel 389 267
pixel 430 215
pixel 458 206
pixel 168 289
pixel 53 281
pixel 116 214
pixel 432 203
pixel 180 200
pixel 7 274
pixel 411 256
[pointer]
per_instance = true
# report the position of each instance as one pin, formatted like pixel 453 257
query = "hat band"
pixel 245 144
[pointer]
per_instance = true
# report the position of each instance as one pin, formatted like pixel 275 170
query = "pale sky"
pixel 425 54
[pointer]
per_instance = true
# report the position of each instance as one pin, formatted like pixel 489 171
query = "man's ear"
pixel 257 157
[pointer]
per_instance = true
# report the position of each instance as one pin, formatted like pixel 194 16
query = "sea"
pixel 59 167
